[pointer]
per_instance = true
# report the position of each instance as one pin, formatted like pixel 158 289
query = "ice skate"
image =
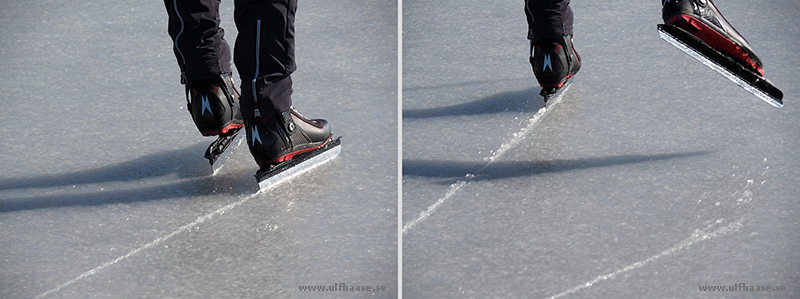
pixel 287 144
pixel 214 106
pixel 554 62
pixel 699 29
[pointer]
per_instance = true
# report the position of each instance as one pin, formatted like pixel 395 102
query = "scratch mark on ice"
pixel 155 242
pixel 504 147
pixel 698 236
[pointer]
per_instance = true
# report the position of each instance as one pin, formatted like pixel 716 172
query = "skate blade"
pixel 757 85
pixel 554 98
pixel 298 165
pixel 219 161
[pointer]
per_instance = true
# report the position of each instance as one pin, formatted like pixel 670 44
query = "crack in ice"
pixel 504 147
pixel 697 236
pixel 712 230
pixel 155 242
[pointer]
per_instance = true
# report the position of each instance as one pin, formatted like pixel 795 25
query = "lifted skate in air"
pixel 699 29
pixel 724 65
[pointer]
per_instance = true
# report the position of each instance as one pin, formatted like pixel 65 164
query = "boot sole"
pixel 224 130
pixel 291 155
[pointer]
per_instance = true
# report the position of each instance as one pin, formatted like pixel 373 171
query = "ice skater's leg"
pixel 264 57
pixel 204 58
pixel 552 54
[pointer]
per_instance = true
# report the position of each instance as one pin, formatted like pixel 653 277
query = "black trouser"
pixel 548 19
pixel 264 53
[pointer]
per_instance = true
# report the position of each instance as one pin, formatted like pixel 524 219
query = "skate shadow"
pixel 453 171
pixel 512 101
pixel 225 185
pixel 185 169
pixel 186 162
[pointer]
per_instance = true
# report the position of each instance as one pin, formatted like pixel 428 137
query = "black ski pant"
pixel 548 19
pixel 264 53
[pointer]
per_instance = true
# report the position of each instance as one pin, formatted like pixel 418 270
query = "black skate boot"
pixel 278 138
pixel 702 19
pixel 214 105
pixel 553 62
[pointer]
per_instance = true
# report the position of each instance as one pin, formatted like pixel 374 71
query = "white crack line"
pixel 697 236
pixel 504 147
pixel 155 242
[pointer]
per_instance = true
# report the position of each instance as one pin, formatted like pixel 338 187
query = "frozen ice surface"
pixel 104 189
pixel 654 176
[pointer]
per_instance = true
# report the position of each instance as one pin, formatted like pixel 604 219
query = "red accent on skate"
pixel 558 47
pixel 713 38
pixel 291 155
pixel 561 83
pixel 223 130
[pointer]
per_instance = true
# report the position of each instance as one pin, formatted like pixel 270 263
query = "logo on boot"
pixel 547 63
pixel 256 136
pixel 205 105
